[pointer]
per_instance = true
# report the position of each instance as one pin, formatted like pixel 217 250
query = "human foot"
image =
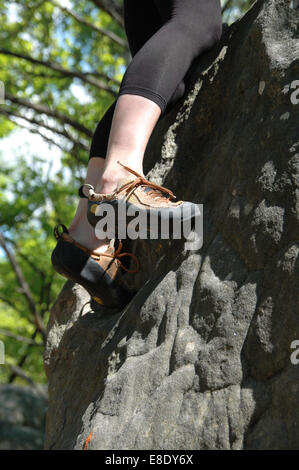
pixel 137 194
pixel 96 272
pixel 84 234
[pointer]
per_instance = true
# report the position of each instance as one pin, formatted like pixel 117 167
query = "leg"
pixel 99 143
pixel 141 22
pixel 152 78
pixel 80 229
pixel 134 120
pixel 191 27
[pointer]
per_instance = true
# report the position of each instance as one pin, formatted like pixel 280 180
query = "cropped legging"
pixel 164 37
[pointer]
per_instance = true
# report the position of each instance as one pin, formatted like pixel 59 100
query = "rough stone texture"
pixel 22 417
pixel 200 358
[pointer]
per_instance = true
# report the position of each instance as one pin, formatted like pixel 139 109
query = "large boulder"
pixel 200 358
pixel 22 417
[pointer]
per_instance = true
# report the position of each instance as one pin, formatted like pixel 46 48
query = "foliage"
pixel 31 203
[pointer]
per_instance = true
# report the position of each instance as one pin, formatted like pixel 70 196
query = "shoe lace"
pixel 158 192
pixel 97 256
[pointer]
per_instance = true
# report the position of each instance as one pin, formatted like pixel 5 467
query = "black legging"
pixel 164 37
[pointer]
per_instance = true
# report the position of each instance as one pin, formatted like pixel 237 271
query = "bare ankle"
pixel 112 176
pixel 110 180
pixel 85 235
pixel 108 183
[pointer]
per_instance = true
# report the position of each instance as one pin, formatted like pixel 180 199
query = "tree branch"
pixel 63 133
pixel 7 301
pixel 111 9
pixel 24 257
pixel 114 37
pixel 43 109
pixel 66 72
pixel 20 338
pixel 18 372
pixel 36 131
pixel 24 288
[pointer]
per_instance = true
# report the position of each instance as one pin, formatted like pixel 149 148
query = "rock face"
pixel 22 417
pixel 201 357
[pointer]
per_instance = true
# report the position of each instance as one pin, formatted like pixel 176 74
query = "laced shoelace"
pixel 141 181
pixel 131 186
pixel 97 256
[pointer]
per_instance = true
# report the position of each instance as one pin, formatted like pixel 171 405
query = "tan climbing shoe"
pixel 139 195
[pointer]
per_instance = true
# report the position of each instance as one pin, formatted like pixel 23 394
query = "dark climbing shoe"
pixel 139 196
pixel 97 273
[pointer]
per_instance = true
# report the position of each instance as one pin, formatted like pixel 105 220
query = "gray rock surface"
pixel 22 417
pixel 200 358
